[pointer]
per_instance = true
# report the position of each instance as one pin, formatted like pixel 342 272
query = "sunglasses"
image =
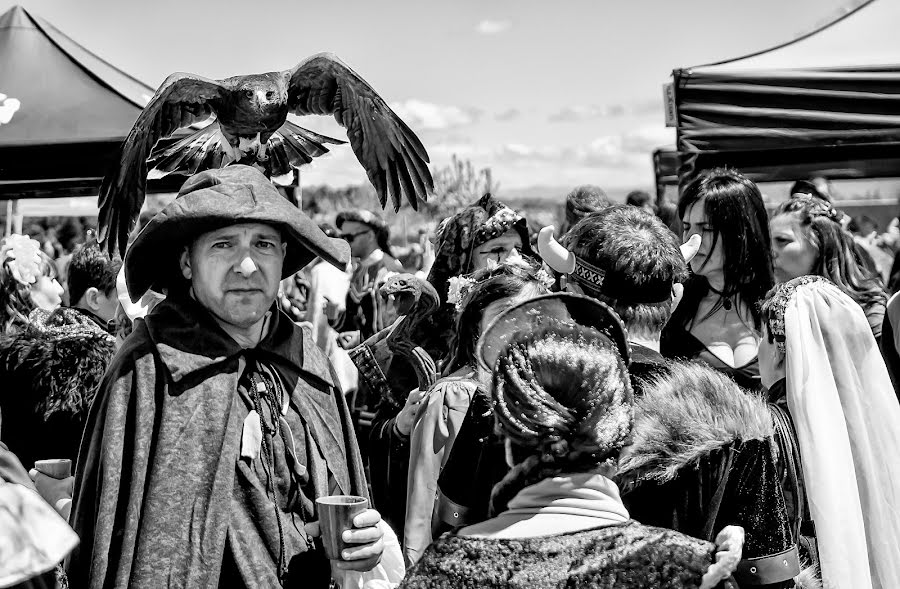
pixel 349 237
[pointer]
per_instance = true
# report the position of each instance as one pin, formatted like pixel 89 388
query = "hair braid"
pixel 563 397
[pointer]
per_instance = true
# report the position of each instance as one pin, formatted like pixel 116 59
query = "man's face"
pixel 361 238
pixel 235 271
pixel 106 305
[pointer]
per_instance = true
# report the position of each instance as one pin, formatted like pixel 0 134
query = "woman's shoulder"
pixel 452 389
pixel 625 556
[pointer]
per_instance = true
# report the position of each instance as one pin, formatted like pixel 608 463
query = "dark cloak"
pixel 158 498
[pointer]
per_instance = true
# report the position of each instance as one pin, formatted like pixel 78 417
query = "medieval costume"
pixel 680 344
pixel 890 341
pixel 560 521
pixel 437 424
pixel 202 459
pixel 50 371
pixel 456 240
pixel 847 422
pixel 614 552
pixel 703 457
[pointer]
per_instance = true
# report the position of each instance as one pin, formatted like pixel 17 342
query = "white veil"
pixel 848 426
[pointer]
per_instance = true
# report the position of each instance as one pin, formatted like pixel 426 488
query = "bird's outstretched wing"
pixel 394 158
pixel 181 101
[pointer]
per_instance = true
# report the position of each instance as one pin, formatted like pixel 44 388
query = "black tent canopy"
pixel 825 115
pixel 74 111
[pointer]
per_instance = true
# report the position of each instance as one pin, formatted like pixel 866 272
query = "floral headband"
pixel 22 256
pixel 777 303
pixel 460 286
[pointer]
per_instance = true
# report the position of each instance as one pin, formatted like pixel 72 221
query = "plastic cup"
pixel 57 468
pixel 336 513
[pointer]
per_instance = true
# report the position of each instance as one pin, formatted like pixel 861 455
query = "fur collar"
pixel 685 415
pixel 61 357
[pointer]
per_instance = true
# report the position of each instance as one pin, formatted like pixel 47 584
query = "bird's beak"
pixel 261 96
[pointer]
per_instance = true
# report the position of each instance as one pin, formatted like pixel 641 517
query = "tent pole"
pixel 16 217
pixel 9 214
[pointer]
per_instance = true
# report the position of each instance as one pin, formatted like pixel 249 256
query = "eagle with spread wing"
pixel 251 127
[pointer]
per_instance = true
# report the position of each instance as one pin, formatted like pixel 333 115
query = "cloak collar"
pixel 189 339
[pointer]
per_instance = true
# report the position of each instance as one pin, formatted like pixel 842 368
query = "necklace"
pixel 726 301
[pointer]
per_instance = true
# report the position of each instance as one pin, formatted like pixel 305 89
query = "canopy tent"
pixel 826 103
pixel 64 113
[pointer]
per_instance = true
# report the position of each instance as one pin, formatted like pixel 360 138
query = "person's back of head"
pixel 583 201
pixel 563 398
pixel 641 261
pixel 641 199
pixel 91 280
pixel 811 188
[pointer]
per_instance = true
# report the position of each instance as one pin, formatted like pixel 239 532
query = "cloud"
pixel 572 114
pixel 508 115
pixel 427 116
pixel 620 160
pixel 493 27
pixel 579 113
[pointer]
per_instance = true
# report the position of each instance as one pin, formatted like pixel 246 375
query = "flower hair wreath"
pixel 460 286
pixel 22 256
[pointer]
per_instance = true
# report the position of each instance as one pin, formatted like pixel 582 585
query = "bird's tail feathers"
pixel 206 149
pixel 292 146
pixel 289 147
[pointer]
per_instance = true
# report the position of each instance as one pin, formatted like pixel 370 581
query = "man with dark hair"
pixel 581 202
pixel 91 282
pixel 628 259
pixel 817 187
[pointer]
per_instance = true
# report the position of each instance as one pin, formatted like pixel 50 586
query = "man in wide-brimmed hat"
pixel 219 422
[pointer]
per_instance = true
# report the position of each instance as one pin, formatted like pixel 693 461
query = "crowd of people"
pixel 697 395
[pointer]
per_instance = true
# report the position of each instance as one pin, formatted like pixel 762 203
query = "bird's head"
pixel 261 92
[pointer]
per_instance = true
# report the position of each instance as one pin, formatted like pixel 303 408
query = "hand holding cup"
pixel 349 530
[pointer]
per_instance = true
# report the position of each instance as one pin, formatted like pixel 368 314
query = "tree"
pixel 456 186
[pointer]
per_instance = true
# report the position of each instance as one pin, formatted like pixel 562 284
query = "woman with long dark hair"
pixel 718 321
pixel 807 238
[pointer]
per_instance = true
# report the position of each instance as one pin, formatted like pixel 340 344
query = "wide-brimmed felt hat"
pixel 218 198
pixel 561 308
pixel 363 216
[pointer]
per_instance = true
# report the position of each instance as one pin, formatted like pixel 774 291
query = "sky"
pixel 546 94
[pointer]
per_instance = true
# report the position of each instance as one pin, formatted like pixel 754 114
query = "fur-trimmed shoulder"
pixel 62 364
pixel 684 415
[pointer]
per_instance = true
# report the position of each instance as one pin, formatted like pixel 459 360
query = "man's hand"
pixel 689 249
pixel 366 535
pixel 56 492
pixel 348 339
pixel 729 549
pixel 407 416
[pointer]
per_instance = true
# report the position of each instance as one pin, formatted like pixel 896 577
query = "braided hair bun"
pixel 563 397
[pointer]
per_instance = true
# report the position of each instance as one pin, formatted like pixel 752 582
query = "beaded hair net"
pixel 778 300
